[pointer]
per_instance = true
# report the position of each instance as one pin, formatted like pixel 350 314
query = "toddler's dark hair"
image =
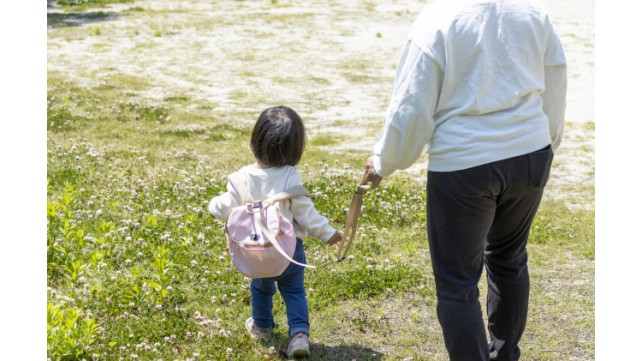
pixel 279 137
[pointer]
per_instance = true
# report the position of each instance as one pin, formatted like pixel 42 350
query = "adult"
pixel 481 84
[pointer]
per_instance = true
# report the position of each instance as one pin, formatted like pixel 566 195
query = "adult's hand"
pixel 335 238
pixel 370 173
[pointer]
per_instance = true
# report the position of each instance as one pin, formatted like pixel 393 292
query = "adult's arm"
pixel 409 121
pixel 555 94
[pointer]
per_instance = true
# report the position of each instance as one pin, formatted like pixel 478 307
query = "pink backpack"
pixel 261 241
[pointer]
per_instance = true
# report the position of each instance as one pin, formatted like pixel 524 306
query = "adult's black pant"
pixel 482 216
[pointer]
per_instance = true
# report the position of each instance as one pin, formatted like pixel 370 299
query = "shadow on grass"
pixel 319 351
pixel 343 352
pixel 58 20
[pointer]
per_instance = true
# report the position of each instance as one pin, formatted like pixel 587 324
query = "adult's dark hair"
pixel 279 137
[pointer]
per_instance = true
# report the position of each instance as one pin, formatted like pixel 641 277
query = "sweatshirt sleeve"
pixel 409 121
pixel 307 217
pixel 220 205
pixel 554 96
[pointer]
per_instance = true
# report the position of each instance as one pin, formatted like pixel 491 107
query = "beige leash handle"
pixel 352 218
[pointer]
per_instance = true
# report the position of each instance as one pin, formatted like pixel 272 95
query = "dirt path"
pixel 334 63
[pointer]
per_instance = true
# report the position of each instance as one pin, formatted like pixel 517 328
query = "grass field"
pixel 147 114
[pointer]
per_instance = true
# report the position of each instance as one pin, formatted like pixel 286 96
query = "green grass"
pixel 327 139
pixel 141 268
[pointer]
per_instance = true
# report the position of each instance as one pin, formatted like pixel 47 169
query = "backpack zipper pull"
pixel 256 209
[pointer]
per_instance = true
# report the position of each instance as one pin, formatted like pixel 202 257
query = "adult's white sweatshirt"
pixel 477 81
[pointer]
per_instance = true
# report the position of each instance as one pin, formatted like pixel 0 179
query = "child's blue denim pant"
pixel 291 287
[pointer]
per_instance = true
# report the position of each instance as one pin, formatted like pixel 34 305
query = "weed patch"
pixel 558 227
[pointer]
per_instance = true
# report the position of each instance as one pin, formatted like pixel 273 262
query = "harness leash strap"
pixel 277 246
pixel 352 218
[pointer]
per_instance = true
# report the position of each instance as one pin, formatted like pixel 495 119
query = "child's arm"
pixel 220 206
pixel 310 220
pixel 307 217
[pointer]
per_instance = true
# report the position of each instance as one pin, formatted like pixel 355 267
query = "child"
pixel 277 141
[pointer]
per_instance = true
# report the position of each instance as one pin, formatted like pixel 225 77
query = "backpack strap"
pixel 293 192
pixel 276 244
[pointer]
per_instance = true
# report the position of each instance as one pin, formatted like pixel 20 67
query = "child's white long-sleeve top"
pixel 265 183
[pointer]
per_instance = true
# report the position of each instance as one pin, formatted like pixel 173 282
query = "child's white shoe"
pixel 299 346
pixel 257 333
